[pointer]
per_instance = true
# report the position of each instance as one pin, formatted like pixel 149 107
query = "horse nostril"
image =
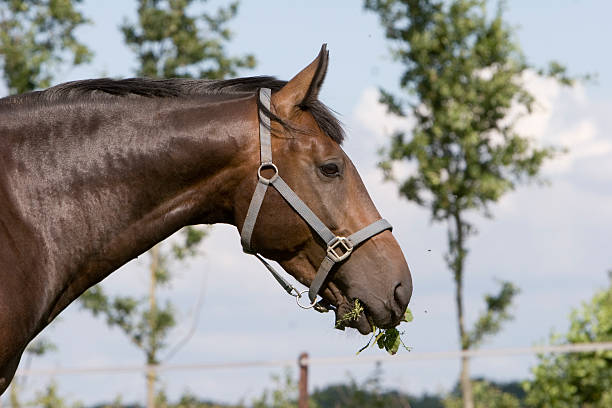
pixel 402 295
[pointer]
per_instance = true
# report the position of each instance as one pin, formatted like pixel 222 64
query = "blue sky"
pixel 552 241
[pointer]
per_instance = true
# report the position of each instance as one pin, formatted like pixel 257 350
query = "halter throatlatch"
pixel 338 248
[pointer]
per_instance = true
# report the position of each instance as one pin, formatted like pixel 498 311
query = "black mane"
pixel 179 87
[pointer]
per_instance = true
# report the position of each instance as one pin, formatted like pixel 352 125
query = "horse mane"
pixel 175 88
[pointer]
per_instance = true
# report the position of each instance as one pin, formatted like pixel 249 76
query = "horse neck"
pixel 100 183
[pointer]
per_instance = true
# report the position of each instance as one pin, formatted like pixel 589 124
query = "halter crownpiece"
pixel 338 248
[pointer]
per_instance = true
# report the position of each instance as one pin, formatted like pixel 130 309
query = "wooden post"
pixel 303 385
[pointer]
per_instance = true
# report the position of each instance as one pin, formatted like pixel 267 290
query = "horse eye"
pixel 330 170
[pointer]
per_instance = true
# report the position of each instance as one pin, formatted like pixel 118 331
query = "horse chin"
pixel 363 325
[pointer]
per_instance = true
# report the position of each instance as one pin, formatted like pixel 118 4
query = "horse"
pixel 95 172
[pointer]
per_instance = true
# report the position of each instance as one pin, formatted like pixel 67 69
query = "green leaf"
pixel 391 341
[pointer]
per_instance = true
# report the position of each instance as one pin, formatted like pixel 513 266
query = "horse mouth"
pixel 365 320
pixel 346 316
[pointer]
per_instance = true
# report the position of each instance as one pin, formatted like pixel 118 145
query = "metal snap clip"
pixel 297 300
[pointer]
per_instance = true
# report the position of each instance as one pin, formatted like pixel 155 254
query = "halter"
pixel 338 248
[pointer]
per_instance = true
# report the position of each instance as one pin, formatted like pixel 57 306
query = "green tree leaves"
pixel 36 36
pixel 463 77
pixel 146 328
pixel 486 395
pixel 489 322
pixel 577 379
pixel 171 39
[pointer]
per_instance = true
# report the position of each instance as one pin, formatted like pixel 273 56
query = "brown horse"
pixel 93 173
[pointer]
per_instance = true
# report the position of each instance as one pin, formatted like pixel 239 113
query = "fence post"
pixel 303 384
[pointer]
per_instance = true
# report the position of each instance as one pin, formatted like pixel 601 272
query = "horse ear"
pixel 303 87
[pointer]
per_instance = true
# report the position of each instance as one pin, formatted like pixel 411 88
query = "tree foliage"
pixel 284 393
pixel 169 41
pixel 577 379
pixel 463 84
pixel 147 329
pixel 50 398
pixel 146 324
pixel 486 395
pixel 36 36
pixel 463 76
pixel 368 393
pixel 496 312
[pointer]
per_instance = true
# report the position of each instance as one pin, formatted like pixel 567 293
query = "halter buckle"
pixel 265 166
pixel 339 249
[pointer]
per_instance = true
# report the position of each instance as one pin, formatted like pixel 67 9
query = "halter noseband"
pixel 338 248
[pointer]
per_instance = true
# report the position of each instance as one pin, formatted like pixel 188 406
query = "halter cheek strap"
pixel 338 248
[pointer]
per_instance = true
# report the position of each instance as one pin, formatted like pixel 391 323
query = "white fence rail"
pixel 361 359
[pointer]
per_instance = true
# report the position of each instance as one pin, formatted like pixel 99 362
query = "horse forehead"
pixel 313 138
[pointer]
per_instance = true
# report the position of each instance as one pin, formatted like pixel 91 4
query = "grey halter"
pixel 338 248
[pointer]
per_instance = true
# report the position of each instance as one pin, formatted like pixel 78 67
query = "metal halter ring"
pixel 345 247
pixel 297 300
pixel 264 166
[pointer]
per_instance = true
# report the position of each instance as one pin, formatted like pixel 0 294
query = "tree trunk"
pixel 151 386
pixel 14 396
pixel 457 257
pixel 151 354
pixel 466 384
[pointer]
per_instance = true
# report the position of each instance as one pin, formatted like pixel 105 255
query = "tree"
pixel 485 395
pixel 36 37
pixel 168 42
pixel 577 379
pixel 463 80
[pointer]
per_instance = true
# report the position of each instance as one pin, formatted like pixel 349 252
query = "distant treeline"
pixel 349 395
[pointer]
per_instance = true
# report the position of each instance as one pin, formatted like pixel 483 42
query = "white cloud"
pixel 562 117
pixel 565 117
pixel 373 116
pixel 546 92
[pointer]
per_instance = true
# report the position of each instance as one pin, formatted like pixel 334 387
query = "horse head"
pixel 306 152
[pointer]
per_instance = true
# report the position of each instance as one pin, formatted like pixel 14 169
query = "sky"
pixel 552 240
